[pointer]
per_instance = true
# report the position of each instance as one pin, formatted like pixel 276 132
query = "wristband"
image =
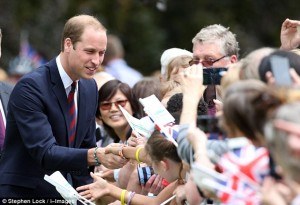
pixel 130 197
pixel 137 153
pixel 121 152
pixel 96 157
pixel 122 198
pixel 116 174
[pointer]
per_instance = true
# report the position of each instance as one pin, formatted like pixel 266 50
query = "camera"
pixel 280 68
pixel 212 76
pixel 208 124
pixel 273 172
pixel 144 174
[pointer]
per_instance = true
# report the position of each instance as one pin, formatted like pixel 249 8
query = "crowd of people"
pixel 235 137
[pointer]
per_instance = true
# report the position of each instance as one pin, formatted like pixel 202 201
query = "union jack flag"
pixel 170 131
pixel 245 167
pixel 228 189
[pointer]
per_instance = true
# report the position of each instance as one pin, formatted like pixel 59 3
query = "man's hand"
pixel 109 160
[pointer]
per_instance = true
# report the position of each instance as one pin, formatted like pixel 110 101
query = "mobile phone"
pixel 212 76
pixel 209 95
pixel 280 68
pixel 273 173
pixel 208 124
pixel 144 174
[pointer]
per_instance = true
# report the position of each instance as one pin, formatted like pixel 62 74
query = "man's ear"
pixel 68 45
pixel 233 59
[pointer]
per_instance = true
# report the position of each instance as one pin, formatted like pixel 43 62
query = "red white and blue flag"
pixel 245 168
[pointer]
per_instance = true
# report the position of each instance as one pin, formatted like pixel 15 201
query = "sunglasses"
pixel 205 63
pixel 107 105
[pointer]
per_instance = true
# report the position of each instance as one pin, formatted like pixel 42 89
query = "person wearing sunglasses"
pixel 113 94
pixel 215 46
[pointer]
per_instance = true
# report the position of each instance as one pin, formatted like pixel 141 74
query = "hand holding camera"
pixel 192 81
pixel 154 185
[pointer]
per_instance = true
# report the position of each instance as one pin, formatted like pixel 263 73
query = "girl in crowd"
pixel 161 154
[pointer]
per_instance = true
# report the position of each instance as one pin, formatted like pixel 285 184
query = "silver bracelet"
pixel 96 157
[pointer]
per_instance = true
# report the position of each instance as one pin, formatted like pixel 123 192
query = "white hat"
pixel 169 54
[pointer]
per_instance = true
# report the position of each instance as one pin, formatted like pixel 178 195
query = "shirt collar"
pixel 67 81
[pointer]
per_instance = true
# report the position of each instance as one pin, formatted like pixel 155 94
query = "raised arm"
pixel 290 34
pixel 192 86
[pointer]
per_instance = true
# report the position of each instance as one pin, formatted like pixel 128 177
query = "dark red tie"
pixel 2 131
pixel 72 115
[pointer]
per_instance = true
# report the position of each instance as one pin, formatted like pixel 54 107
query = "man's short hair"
pixel 218 33
pixel 75 26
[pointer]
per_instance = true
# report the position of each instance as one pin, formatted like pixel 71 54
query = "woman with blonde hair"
pixel 173 61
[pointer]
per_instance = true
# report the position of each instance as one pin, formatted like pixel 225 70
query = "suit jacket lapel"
pixel 58 89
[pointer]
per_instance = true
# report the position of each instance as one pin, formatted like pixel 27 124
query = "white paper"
pixel 156 111
pixel 65 189
pixel 144 126
pixel 159 115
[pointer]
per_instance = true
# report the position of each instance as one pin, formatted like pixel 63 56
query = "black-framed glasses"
pixel 207 62
pixel 107 105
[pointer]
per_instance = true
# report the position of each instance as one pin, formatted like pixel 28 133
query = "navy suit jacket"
pixel 36 140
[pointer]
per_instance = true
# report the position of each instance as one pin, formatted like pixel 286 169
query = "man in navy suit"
pixel 37 131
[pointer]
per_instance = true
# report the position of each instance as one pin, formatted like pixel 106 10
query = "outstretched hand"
pixel 95 190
